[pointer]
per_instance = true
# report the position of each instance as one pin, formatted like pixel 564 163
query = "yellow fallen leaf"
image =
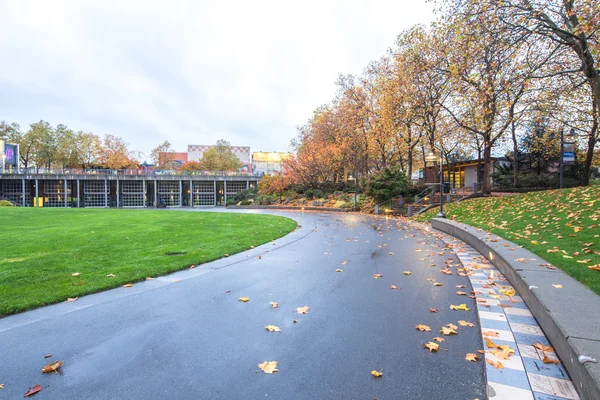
pixel 461 293
pixel 509 292
pixel 558 286
pixel 71 299
pixel 149 278
pixel 52 367
pixel 407 273
pixel 272 328
pixel 244 299
pixel 501 354
pixel 274 304
pixel 594 267
pixel 548 360
pixel 448 331
pixel 431 346
pixel 543 348
pixel 110 275
pixel 76 274
pixel 377 276
pixel 437 284
pixel 393 287
pixel 1 385
pixel 128 285
pixel 344 262
pixel 339 270
pixel 462 307
pixel 302 310
pixel 269 367
pixel 423 328
pixel 377 374
pixel 465 323
pixel 495 364
pixel 439 339
pixel 577 229
pixel 471 357
pixel 491 333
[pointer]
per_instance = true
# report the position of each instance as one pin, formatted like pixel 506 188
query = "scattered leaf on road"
pixel 377 374
pixel 377 276
pixel 344 262
pixel 558 286
pixel 462 307
pixel 495 364
pixel 33 390
pixel 302 310
pixel 407 273
pixel 541 347
pixel 461 293
pixel 548 360
pixel 71 299
pixel 272 328
pixel 423 328
pixel 52 367
pixel 471 357
pixel 393 287
pixel 490 333
pixel 274 304
pixel 269 367
pixel 465 323
pixel 448 331
pixel 439 339
pixel 460 286
pixel 244 299
pixel 433 310
pixel 437 284
pixel 431 346
pixel 339 270
pixel 129 285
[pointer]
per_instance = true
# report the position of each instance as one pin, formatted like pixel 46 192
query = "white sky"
pixel 190 72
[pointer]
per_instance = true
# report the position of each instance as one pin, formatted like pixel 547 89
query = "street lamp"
pixel 351 178
pixel 431 158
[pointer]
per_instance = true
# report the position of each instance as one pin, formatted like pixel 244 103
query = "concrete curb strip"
pixel 569 316
pixel 295 208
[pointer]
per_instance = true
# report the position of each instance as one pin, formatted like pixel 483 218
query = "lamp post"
pixel 432 159
pixel 351 178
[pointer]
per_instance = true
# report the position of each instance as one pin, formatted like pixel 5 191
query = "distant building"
pixel 267 163
pixel 9 156
pixel 195 153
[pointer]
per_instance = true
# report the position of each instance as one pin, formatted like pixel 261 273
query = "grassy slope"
pixel 543 222
pixel 41 248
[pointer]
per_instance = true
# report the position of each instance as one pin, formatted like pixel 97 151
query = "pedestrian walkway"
pixel 506 321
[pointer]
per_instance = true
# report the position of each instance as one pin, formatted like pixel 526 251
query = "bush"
pixel 245 194
pixel 6 203
pixel 246 202
pixel 231 202
pixel 386 184
pixel 265 199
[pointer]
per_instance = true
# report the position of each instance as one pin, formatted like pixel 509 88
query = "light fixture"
pixel 430 158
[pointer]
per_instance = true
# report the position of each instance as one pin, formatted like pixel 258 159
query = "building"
pixel 462 173
pixel 195 153
pixel 268 163
pixel 173 160
pixel 9 156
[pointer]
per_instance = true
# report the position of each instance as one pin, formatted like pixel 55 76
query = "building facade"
pixel 9 156
pixel 195 153
pixel 268 163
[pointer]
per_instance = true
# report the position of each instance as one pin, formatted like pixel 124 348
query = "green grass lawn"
pixel 40 249
pixel 561 226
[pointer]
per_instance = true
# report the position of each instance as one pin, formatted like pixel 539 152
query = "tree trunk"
pixel 487 168
pixel 515 156
pixel 410 162
pixel 587 166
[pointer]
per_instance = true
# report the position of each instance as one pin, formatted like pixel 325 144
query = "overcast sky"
pixel 190 72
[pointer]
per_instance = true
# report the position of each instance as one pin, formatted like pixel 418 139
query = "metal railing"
pixel 117 172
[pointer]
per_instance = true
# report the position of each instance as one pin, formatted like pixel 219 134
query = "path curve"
pixel 187 336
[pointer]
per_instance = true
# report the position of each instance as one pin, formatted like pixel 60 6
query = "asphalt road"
pixel 186 336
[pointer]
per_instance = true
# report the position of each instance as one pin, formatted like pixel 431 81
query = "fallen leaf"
pixel 393 287
pixel 129 285
pixel 244 299
pixel 52 367
pixel 76 274
pixel 509 292
pixel 558 286
pixel 548 360
pixel 407 273
pixel 542 347
pixel 48 356
pixel 437 284
pixel 461 293
pixel 501 354
pixel 226 255
pixel 439 339
pixel 462 307
pixel 471 357
pixel 269 367
pixel 295 321
pixel 491 333
pixel 228 291
pixel 595 267
pixel 433 310
pixel 110 275
pixel 377 374
pixel 448 331
pixel 339 270
pixel 33 390
pixel 149 278
pixel 344 262
pixel 71 299
pixel 377 276
pixel 465 323
pixel 423 328
pixel 272 328
pixel 460 286
pixel 274 304
pixel 495 364
pixel 302 310
pixel 1 385
pixel 431 346
pixel 452 326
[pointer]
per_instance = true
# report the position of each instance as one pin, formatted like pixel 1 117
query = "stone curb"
pixel 294 208
pixel 569 316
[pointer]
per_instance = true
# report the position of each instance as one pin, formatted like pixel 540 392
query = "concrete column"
pixel 117 192
pixel 215 192
pixel 145 191
pixel 191 194
pixel 66 193
pixel 105 194
pixel 23 191
pixel 78 192
pixel 225 192
pixel 37 194
pixel 247 185
pixel 180 193
pixel 155 194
